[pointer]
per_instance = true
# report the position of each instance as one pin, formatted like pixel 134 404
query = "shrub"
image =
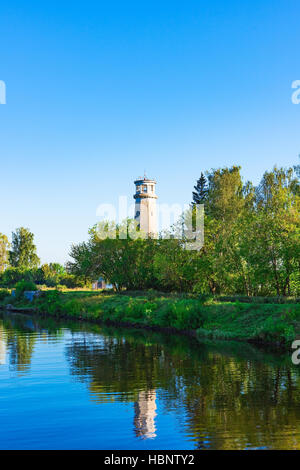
pixel 13 275
pixel 165 316
pixel 275 329
pixel 135 310
pixel 3 293
pixel 257 300
pixel 71 281
pixel 187 315
pixel 72 308
pixel 23 286
pixel 50 302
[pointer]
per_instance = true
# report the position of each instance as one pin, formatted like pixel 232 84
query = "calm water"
pixel 69 385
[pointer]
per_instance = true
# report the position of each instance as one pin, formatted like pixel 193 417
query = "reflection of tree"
pixel 237 404
pixel 18 335
pixel 21 349
pixel 112 366
pixel 230 400
pixel 232 396
pixel 19 343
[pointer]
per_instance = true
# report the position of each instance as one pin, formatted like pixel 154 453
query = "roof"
pixel 144 179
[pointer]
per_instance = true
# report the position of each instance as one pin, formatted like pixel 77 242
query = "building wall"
pixel 145 206
pixel 147 219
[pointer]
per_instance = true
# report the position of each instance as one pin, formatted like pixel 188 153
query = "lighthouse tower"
pixel 145 205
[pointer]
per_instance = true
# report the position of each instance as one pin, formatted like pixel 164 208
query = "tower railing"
pixel 144 178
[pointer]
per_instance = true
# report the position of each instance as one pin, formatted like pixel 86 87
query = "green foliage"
pixel 266 323
pixel 71 281
pixel 49 302
pixel 23 286
pixel 23 250
pixel 187 314
pixel 50 274
pixel 13 275
pixel 3 294
pixel 71 308
pixel 257 299
pixel 276 330
pixel 251 249
pixel 125 263
pixel 200 190
pixel 4 254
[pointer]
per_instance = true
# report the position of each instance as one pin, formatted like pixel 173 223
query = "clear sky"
pixel 98 92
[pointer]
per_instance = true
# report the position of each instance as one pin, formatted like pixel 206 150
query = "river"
pixel 73 385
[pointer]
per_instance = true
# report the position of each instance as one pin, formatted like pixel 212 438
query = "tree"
pixel 224 205
pixel 82 264
pixel 225 194
pixel 4 255
pixel 50 274
pixel 117 255
pixel 251 242
pixel 174 266
pixel 13 275
pixel 23 252
pixel 200 193
pixel 275 248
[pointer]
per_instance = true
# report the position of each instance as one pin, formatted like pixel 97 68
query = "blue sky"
pixel 97 92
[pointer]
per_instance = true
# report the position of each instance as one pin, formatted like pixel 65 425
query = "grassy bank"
pixel 210 318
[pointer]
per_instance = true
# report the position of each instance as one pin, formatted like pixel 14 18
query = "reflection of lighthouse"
pixel 2 347
pixel 144 414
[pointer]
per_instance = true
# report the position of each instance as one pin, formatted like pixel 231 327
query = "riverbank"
pixel 265 323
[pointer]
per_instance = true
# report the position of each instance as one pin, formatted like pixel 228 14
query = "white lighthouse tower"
pixel 145 206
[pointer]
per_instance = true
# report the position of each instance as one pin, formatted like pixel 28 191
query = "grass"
pixel 272 323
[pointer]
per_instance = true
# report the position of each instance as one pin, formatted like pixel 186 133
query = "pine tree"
pixel 200 193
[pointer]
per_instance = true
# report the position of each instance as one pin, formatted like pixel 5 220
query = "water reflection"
pixel 19 345
pixel 237 398
pixel 18 337
pixel 2 346
pixel 230 396
pixel 144 414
